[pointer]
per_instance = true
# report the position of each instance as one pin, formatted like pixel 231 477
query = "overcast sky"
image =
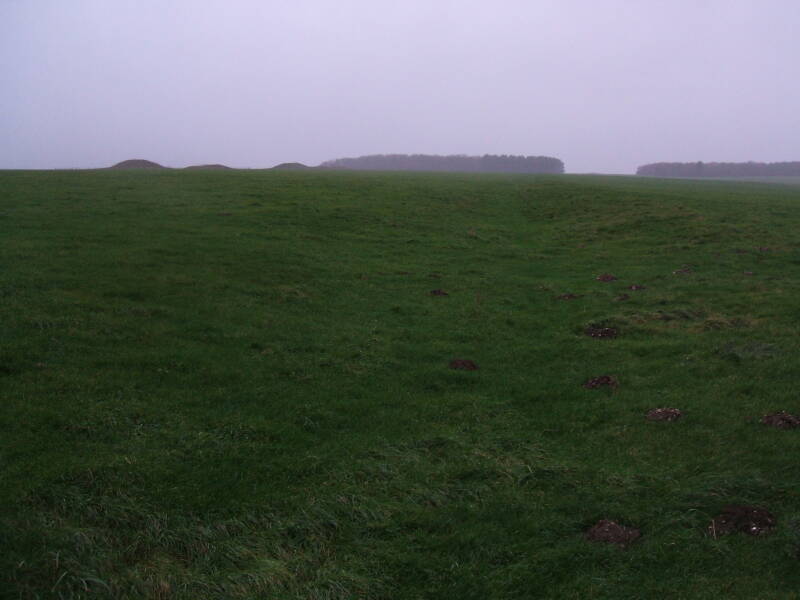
pixel 605 85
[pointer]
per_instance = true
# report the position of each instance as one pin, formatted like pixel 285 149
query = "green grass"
pixel 772 179
pixel 236 385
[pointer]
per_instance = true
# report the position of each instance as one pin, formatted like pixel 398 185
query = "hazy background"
pixel 605 85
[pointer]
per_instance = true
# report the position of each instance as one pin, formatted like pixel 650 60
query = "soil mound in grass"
pixel 214 167
pixel 439 293
pixel 622 297
pixel 781 420
pixel 463 364
pixel 752 520
pixel 601 332
pixel 664 414
pixel 606 277
pixel 600 381
pixel 637 288
pixel 137 163
pixel 611 532
pixel 291 166
pixel 567 297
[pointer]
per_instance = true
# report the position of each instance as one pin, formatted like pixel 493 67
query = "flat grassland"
pixel 774 179
pixel 236 385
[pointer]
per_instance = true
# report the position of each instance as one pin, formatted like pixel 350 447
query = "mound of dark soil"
pixel 137 163
pixel 568 297
pixel 611 532
pixel 214 167
pixel 463 364
pixel 438 293
pixel 748 273
pixel 664 414
pixel 596 382
pixel 601 332
pixel 637 288
pixel 781 420
pixel 606 277
pixel 291 166
pixel 684 270
pixel 752 520
pixel 622 298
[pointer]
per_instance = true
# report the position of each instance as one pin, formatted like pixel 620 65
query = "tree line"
pixel 720 169
pixel 488 163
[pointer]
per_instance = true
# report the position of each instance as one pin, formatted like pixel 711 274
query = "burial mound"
pixel 213 167
pixel 137 163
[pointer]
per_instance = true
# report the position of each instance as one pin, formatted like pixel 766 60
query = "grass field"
pixel 785 180
pixel 236 385
pixel 774 179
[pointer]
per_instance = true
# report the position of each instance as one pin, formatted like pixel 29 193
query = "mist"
pixel 604 85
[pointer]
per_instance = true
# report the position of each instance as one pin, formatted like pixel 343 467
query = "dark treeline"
pixel 487 163
pixel 720 169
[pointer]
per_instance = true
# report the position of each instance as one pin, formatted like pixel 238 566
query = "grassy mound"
pixel 137 163
pixel 261 384
pixel 291 166
pixel 212 167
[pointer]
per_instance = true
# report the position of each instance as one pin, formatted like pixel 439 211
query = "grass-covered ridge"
pixel 235 385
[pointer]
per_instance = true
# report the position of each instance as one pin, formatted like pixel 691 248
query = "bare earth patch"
pixel 463 364
pixel 606 277
pixel 439 293
pixel 781 420
pixel 748 273
pixel 664 414
pixel 568 297
pixel 611 532
pixel 637 288
pixel 752 520
pixel 596 382
pixel 601 332
pixel 684 270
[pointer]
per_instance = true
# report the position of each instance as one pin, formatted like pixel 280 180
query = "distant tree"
pixel 488 163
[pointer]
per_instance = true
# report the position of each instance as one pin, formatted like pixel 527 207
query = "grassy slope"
pixel 235 385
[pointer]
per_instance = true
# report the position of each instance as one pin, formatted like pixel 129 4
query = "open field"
pixel 775 179
pixel 787 180
pixel 222 384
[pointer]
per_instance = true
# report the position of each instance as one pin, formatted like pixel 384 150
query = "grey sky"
pixel 605 85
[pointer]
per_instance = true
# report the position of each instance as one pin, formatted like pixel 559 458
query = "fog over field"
pixel 604 85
